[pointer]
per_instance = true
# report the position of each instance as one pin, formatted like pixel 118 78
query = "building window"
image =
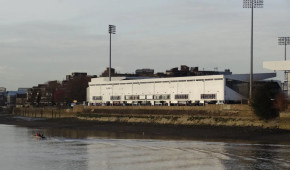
pixel 115 97
pixel 132 97
pixel 181 96
pixel 97 97
pixel 208 96
pixel 162 97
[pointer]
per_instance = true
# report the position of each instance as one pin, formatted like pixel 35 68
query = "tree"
pixel 263 101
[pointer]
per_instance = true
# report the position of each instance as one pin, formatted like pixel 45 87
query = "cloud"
pixel 2 70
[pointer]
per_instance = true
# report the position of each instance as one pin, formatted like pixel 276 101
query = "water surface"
pixel 79 150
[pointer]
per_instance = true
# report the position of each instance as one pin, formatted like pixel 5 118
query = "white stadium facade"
pixel 191 90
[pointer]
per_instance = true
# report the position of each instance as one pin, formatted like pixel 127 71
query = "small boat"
pixel 39 136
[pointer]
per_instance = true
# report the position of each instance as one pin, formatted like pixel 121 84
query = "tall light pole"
pixel 252 4
pixel 112 30
pixel 285 41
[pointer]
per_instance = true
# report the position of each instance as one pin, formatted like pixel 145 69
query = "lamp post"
pixel 285 41
pixel 252 4
pixel 112 30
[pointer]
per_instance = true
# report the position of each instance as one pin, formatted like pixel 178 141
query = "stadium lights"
pixel 284 41
pixel 112 30
pixel 252 4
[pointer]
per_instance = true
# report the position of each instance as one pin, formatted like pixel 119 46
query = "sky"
pixel 44 40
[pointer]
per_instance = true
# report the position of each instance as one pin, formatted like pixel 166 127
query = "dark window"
pixel 208 96
pixel 181 96
pixel 115 97
pixel 97 97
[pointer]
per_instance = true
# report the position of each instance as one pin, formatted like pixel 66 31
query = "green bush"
pixel 263 101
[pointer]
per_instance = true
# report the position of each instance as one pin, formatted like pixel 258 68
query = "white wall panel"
pixel 147 87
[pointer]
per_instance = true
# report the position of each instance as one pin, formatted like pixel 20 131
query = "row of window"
pixel 115 98
pixel 158 82
pixel 156 97
pixel 181 96
pixel 132 97
pixel 208 96
pixel 162 97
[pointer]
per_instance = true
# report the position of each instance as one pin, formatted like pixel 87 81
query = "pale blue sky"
pixel 46 40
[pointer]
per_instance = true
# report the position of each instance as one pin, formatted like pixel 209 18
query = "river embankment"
pixel 210 115
pixel 234 122
pixel 149 131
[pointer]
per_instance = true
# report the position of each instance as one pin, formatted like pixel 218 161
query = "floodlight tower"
pixel 285 41
pixel 112 30
pixel 252 4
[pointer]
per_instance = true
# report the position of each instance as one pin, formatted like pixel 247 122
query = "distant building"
pixel 23 90
pixel 2 89
pixel 106 72
pixel 60 93
pixel 3 95
pixel 115 74
pixel 21 99
pixel 145 72
pixel 174 72
pixel 11 98
pixel 193 71
pixel 76 74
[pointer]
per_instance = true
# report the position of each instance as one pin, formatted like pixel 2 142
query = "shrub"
pixel 263 101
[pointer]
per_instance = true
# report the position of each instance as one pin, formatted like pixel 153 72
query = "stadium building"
pixel 191 90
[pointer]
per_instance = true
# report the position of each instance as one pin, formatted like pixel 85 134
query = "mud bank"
pixel 158 131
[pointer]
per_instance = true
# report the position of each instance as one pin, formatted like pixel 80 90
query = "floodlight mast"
pixel 285 41
pixel 252 4
pixel 112 30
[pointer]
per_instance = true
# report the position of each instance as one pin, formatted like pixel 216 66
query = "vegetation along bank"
pixel 209 115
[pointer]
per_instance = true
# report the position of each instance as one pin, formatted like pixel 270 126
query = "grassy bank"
pixel 210 115
pixel 180 119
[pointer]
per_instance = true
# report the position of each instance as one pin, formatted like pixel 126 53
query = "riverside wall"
pixel 213 115
pixel 44 112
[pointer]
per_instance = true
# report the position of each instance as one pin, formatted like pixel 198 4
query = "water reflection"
pixel 81 134
pixel 88 150
pixel 265 156
pixel 20 150
pixel 258 156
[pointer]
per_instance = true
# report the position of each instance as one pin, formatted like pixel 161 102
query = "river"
pixel 67 149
